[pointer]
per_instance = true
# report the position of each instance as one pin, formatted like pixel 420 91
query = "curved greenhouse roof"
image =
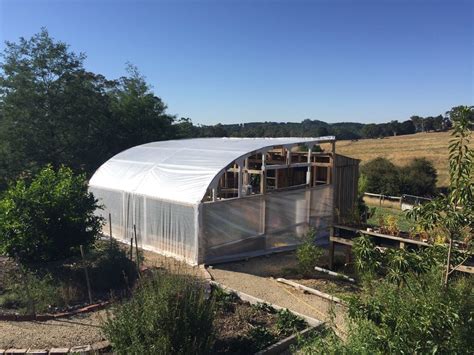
pixel 181 170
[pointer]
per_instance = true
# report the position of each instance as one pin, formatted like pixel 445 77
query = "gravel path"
pixel 63 332
pixel 256 278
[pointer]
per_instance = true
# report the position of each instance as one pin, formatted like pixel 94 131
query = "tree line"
pixel 55 111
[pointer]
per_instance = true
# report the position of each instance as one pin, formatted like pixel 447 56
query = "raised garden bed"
pixel 48 290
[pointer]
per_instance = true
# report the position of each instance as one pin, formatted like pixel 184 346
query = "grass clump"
pixel 168 314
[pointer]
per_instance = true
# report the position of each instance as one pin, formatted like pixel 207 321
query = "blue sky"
pixel 243 61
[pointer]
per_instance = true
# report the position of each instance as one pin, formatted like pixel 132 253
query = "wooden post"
pixel 331 249
pixel 448 262
pixel 239 186
pixel 89 292
pixel 131 249
pixel 136 248
pixel 308 173
pixel 110 229
pixel 263 180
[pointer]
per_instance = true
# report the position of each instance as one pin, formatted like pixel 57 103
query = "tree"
pixel 52 109
pixel 453 214
pixel 49 217
pixel 382 177
pixel 138 115
pixel 418 178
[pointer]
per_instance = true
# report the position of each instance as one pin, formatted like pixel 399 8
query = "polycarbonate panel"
pixel 322 207
pixel 248 226
pixel 180 170
pixel 232 227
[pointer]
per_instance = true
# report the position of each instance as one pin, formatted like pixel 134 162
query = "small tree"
pixel 49 217
pixel 453 214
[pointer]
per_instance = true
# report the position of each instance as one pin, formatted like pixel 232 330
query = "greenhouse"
pixel 209 200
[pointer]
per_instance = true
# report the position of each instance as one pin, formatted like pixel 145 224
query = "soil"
pixel 234 327
pixel 78 330
pixel 257 277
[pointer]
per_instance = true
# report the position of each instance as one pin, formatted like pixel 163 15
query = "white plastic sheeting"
pixel 158 188
pixel 180 170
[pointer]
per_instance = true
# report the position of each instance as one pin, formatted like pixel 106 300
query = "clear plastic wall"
pixel 224 229
pixel 162 226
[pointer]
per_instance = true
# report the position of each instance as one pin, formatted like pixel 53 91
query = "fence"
pixel 404 202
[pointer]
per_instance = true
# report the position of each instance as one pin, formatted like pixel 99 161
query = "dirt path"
pixel 65 332
pixel 256 277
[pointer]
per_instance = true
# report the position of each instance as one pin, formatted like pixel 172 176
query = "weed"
pixel 260 338
pixel 288 323
pixel 308 253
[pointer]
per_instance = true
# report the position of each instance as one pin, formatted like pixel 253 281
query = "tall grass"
pixel 168 314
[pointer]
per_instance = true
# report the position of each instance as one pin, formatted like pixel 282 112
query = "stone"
pixel 37 351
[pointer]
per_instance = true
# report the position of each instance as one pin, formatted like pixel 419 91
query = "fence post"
pixel 89 292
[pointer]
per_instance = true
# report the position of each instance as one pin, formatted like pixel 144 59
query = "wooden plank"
pixel 465 268
pixel 385 236
pixel 341 240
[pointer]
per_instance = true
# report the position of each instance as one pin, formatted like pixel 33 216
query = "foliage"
pixel 288 323
pixel 418 178
pixel 54 111
pixel 383 177
pixel 260 338
pixel 368 259
pixel 224 301
pixel 109 267
pixel 393 320
pixel 168 314
pixel 26 289
pixel 452 216
pixel 308 253
pixel 49 217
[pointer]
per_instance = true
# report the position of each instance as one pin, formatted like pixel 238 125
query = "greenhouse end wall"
pixel 220 230
pixel 165 227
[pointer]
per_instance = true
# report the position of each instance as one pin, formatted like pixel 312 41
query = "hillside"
pixel 401 149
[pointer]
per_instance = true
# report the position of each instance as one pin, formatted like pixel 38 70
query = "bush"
pixel 26 290
pixel 308 253
pixel 168 314
pixel 381 177
pixel 418 178
pixel 48 218
pixel 422 317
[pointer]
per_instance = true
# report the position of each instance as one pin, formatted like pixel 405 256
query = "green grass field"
pixel 403 223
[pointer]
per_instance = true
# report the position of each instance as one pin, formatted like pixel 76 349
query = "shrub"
pixel 48 218
pixel 109 267
pixel 381 177
pixel 308 253
pixel 26 289
pixel 168 314
pixel 423 317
